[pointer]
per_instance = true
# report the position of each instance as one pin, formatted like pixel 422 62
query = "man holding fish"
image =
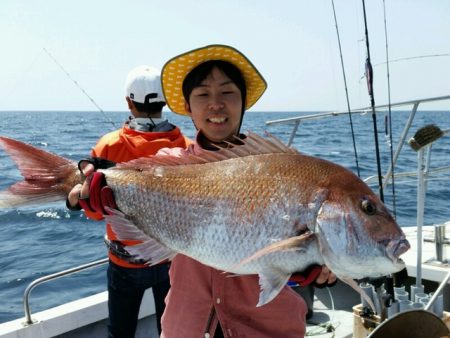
pixel 237 220
pixel 216 94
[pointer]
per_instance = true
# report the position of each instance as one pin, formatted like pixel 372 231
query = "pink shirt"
pixel 201 296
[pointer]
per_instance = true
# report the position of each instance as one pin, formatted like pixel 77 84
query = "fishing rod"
pixel 406 58
pixel 389 112
pixel 79 87
pixel 369 78
pixel 398 278
pixel 346 90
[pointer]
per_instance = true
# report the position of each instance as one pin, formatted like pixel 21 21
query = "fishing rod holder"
pixel 442 243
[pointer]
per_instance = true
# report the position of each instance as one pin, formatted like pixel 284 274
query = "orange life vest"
pixel 127 144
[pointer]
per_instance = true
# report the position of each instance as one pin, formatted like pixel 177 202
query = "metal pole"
pixel 56 275
pixel 401 141
pixel 438 291
pixel 294 131
pixel 420 211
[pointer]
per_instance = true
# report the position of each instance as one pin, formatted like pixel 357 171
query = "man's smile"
pixel 217 119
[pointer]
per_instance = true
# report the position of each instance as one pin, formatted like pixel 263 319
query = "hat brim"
pixel 176 69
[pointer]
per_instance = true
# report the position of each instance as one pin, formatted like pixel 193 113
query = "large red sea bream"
pixel 257 208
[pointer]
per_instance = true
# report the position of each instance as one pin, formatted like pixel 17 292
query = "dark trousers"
pixel 219 332
pixel 126 287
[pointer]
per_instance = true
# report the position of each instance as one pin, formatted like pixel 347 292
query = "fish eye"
pixel 368 207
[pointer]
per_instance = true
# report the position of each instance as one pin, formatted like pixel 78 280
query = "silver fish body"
pixel 258 208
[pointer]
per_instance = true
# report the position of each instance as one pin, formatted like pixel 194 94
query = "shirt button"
pixel 207 335
pixel 218 300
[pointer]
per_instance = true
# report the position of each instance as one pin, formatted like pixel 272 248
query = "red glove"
pixel 307 276
pixel 100 196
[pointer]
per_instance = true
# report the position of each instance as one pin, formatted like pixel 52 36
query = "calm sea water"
pixel 48 238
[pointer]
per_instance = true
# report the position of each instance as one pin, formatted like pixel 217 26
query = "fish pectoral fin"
pixel 271 283
pixel 151 251
pixel 289 244
pixel 123 226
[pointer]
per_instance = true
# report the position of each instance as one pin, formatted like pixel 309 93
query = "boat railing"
pixel 378 109
pixel 414 173
pixel 53 276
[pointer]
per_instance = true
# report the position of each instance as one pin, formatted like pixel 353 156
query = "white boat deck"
pixel 332 316
pixel 430 271
pixel 83 318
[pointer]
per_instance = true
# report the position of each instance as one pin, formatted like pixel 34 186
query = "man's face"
pixel 215 106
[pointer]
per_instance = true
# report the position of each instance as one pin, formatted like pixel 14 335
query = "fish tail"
pixel 46 177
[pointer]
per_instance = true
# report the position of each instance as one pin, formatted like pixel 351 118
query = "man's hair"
pixel 150 108
pixel 199 73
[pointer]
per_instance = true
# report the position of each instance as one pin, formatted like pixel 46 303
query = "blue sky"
pixel 293 43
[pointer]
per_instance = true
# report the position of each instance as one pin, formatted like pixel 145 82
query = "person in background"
pixel 142 135
pixel 215 85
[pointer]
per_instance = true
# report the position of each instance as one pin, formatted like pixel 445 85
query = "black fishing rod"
pixel 369 78
pixel 346 90
pixel 398 278
pixel 79 87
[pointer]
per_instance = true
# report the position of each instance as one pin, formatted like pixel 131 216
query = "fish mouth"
pixel 395 248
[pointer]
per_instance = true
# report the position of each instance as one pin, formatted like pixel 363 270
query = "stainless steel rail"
pixel 53 276
pixel 415 104
pixel 438 292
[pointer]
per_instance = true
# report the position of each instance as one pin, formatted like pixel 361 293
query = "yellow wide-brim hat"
pixel 176 69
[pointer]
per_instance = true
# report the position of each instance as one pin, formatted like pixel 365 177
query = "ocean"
pixel 40 240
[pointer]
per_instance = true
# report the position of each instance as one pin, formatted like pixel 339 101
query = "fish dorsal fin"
pixel 253 144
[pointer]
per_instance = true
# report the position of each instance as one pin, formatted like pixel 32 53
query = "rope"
pixel 329 326
pixel 346 90
pixel 369 77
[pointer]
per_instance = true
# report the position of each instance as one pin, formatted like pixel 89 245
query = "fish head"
pixel 357 235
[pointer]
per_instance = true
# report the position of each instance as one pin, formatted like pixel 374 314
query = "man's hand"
pixel 93 195
pixel 99 196
pixel 315 274
pixel 73 197
pixel 326 277
pixel 80 190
